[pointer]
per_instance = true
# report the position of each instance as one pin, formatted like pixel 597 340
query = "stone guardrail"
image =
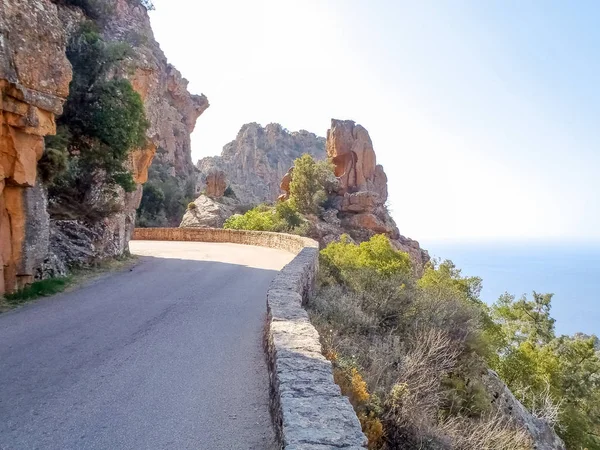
pixel 309 411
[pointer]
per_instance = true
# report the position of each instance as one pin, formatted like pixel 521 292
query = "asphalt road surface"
pixel 167 355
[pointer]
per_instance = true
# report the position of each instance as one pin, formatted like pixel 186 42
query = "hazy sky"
pixel 485 115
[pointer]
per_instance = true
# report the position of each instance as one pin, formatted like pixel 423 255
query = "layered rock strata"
pixel 259 157
pixel 34 83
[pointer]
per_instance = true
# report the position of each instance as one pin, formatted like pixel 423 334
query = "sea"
pixel 571 271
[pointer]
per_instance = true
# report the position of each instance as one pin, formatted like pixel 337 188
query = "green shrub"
pixel 557 377
pixel 311 183
pixel 103 120
pixel 287 213
pixel 281 218
pixel 55 159
pixel 421 346
pixel 191 205
pixel 257 219
pixel 342 259
pixel 417 343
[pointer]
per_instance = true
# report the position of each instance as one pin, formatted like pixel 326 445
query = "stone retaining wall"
pixel 309 411
pixel 288 242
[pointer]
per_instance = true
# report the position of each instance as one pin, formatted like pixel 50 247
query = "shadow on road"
pixel 167 355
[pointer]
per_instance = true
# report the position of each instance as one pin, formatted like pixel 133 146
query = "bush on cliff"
pixel 280 218
pixel 410 353
pixel 311 183
pixel 103 120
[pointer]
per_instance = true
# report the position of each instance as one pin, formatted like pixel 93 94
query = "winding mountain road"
pixel 167 355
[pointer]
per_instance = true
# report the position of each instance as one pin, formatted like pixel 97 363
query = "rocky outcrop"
pixel 285 185
pixel 258 159
pixel 216 183
pixel 208 212
pixel 211 209
pixel 542 434
pixel 171 110
pixel 357 205
pixel 350 149
pixel 34 82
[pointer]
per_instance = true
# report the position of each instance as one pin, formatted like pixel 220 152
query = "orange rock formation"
pixel 216 183
pixel 34 81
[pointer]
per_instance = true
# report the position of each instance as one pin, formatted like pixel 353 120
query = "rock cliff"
pixel 171 110
pixel 259 157
pixel 34 82
pixel 357 207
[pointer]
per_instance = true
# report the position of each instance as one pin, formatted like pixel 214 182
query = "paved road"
pixel 166 356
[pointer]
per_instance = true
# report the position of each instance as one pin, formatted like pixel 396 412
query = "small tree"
pixel 311 183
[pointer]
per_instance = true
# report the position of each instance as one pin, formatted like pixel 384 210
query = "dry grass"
pixel 392 354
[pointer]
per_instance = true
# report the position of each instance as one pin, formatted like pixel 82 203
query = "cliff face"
pixel 357 207
pixel 259 157
pixel 171 110
pixel 34 83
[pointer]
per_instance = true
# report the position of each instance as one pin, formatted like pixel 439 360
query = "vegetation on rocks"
pixel 410 353
pixel 280 218
pixel 165 198
pixel 103 121
pixel 308 192
pixel 311 184
pixel 36 290
pixel 56 285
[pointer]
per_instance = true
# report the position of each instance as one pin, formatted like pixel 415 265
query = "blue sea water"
pixel 569 270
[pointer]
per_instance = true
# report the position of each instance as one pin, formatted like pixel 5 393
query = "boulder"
pixel 207 212
pixel 367 221
pixel 285 185
pixel 359 202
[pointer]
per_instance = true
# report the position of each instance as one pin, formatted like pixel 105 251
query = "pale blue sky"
pixel 484 114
